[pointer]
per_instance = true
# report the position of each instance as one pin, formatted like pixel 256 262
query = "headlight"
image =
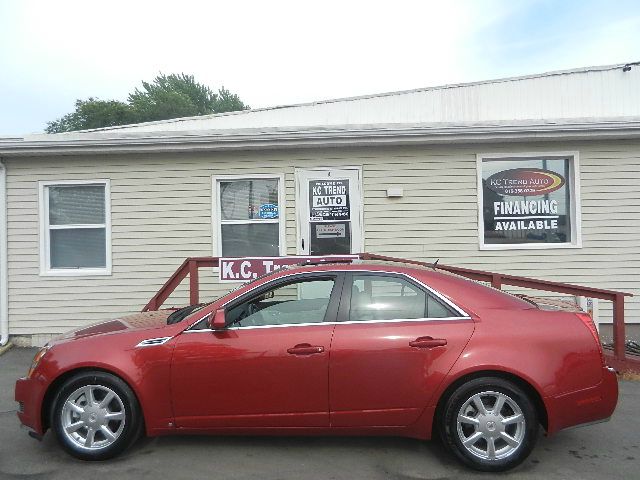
pixel 36 360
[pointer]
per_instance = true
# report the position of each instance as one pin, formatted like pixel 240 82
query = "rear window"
pixel 376 297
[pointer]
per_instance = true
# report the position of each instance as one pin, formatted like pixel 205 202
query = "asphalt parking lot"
pixel 610 450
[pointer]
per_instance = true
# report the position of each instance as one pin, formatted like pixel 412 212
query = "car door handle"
pixel 305 349
pixel 428 342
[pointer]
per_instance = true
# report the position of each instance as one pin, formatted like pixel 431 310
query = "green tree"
pixel 167 96
pixel 93 113
pixel 229 102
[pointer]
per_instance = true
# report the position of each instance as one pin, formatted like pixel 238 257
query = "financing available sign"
pixel 526 215
pixel 525 205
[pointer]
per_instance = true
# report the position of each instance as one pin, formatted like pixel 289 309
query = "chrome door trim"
pixel 350 322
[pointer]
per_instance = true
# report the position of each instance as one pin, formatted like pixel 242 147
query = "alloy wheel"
pixel 93 417
pixel 491 425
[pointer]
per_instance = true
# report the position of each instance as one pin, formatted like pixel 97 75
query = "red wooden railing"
pixel 188 268
pixel 618 360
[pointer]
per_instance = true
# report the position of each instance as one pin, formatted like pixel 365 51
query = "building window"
pixel 75 228
pixel 248 216
pixel 528 201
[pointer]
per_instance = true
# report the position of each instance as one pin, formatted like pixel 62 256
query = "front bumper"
pixel 29 394
pixel 591 405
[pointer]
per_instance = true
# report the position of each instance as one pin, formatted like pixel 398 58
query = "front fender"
pixel 145 369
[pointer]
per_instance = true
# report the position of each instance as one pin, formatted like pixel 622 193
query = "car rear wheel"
pixel 490 424
pixel 96 416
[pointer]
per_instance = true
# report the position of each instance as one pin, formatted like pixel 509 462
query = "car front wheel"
pixel 95 416
pixel 490 424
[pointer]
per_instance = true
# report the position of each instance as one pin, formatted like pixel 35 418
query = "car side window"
pixel 376 297
pixel 304 301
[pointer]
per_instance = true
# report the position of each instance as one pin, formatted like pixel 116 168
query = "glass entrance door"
pixel 329 203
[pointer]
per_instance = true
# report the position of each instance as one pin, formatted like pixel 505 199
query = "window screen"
pixel 76 226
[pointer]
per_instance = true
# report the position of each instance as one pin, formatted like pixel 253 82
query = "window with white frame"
pixel 75 228
pixel 528 201
pixel 248 215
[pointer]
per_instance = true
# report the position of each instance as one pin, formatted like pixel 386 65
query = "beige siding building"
pixel 535 176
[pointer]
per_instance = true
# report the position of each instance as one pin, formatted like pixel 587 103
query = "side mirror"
pixel 219 321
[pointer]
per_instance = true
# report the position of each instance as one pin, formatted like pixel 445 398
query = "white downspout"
pixel 4 288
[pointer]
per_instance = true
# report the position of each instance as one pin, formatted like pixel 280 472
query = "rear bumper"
pixel 29 393
pixel 591 405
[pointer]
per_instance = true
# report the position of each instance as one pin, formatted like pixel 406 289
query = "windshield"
pixel 183 313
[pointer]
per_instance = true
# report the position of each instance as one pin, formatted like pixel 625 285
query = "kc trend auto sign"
pixel 248 268
pixel 329 200
pixel 525 181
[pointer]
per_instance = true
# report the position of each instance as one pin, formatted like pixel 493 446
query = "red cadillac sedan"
pixel 352 349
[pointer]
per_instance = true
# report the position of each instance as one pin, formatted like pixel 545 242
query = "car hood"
pixel 138 321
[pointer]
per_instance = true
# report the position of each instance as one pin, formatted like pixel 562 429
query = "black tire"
pixel 125 405
pixel 489 429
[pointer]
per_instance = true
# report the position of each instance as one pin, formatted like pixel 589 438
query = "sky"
pixel 284 52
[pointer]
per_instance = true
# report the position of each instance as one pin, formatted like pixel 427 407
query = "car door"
pixel 269 367
pixel 392 346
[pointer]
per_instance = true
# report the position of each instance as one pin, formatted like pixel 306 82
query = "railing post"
pixel 194 284
pixel 618 327
pixel 151 306
pixel 496 281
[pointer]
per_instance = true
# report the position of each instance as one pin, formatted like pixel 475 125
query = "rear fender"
pixel 552 351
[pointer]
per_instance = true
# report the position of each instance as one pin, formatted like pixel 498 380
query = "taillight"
pixel 588 321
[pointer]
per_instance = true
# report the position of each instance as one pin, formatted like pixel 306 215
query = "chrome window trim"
pixel 350 322
pixel 402 320
pixel 462 314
